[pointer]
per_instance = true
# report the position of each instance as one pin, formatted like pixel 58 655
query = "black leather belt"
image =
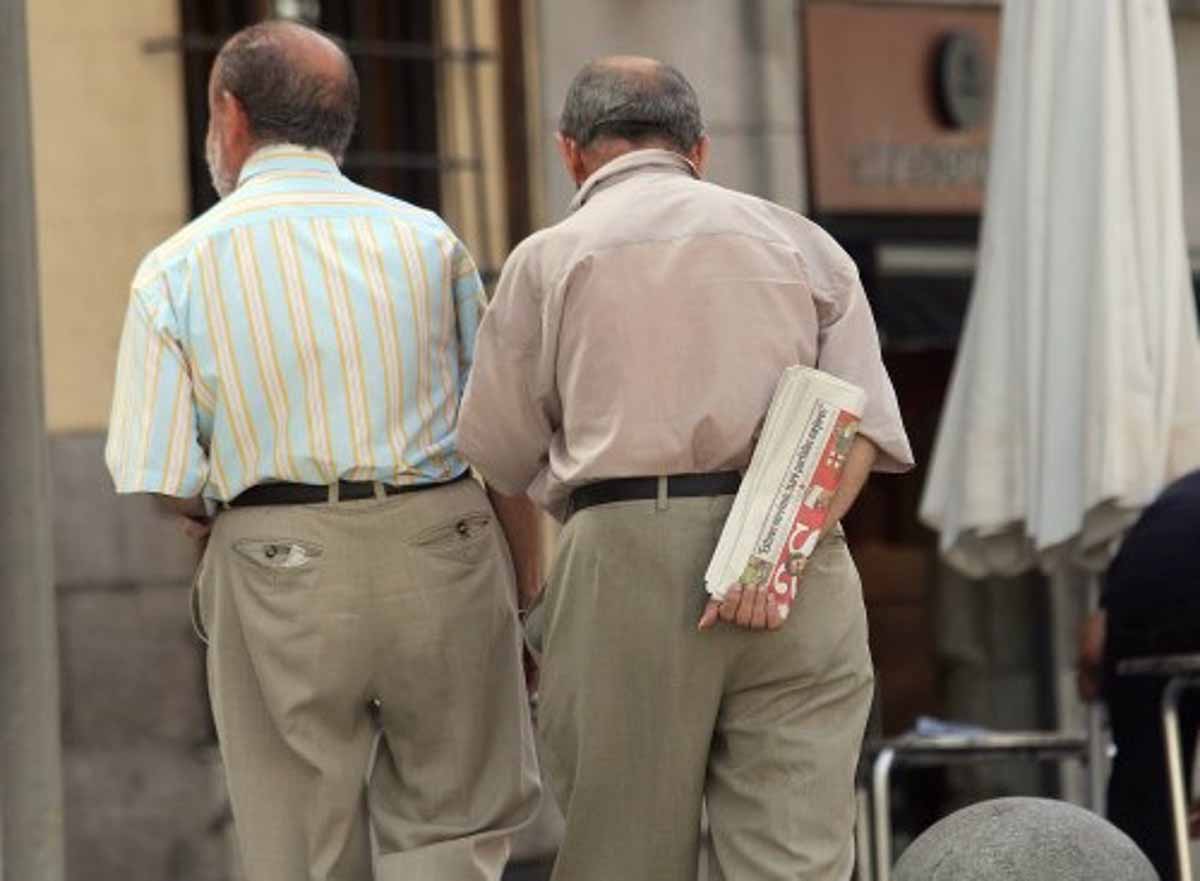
pixel 314 494
pixel 623 489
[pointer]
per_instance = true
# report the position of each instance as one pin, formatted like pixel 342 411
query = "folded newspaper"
pixel 779 511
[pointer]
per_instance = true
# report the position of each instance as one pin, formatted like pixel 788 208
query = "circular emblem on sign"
pixel 963 80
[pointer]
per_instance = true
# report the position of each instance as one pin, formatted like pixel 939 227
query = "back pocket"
pixel 284 561
pixel 464 539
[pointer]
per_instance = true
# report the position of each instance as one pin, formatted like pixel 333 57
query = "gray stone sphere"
pixel 1023 839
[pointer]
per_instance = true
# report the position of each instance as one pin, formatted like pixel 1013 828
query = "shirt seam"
pixel 181 254
pixel 805 278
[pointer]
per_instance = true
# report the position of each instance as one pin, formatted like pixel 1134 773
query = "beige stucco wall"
pixel 111 176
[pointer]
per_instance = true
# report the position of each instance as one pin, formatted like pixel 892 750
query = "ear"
pixel 572 158
pixel 237 138
pixel 699 155
pixel 235 123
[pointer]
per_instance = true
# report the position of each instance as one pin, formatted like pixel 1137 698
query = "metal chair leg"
pixel 1097 758
pixel 862 835
pixel 881 810
pixel 1179 820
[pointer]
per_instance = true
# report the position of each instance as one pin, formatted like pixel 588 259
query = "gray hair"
pixel 286 101
pixel 609 100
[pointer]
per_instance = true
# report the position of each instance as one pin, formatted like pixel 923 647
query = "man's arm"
pixel 754 607
pixel 859 462
pixel 521 523
pixel 153 444
pixel 508 413
pixel 497 418
pixel 848 348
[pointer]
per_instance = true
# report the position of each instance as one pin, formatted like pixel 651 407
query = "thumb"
pixel 709 618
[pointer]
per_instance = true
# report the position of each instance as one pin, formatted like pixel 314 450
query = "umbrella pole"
pixel 1075 593
pixel 1070 598
pixel 1097 737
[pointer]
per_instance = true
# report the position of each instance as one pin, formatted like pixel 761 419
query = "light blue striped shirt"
pixel 304 329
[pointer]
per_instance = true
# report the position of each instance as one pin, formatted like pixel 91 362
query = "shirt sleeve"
pixel 848 347
pixel 469 305
pixel 153 443
pixel 506 425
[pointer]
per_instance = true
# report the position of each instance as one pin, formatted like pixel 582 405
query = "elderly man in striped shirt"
pixel 293 360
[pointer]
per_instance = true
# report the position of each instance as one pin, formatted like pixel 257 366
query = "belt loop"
pixel 334 493
pixel 662 502
pixel 380 492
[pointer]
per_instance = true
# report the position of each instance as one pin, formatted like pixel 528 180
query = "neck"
pixel 599 155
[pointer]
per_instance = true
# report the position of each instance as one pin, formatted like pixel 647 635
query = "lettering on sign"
pixel 918 165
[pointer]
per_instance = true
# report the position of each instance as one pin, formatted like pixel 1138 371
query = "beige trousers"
pixel 642 717
pixel 327 623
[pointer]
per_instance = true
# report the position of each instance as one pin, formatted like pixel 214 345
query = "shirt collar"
pixel 631 163
pixel 286 157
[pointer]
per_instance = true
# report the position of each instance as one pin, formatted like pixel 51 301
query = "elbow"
pixel 496 448
pixel 471 448
pixel 886 454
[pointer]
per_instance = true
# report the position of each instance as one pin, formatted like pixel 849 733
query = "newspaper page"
pixel 782 504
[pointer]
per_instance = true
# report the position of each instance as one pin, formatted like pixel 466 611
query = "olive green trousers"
pixel 643 718
pixel 327 623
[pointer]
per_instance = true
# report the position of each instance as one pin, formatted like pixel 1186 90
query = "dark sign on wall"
pixel 899 103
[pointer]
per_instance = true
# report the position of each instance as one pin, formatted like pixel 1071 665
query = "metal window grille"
pixel 396 49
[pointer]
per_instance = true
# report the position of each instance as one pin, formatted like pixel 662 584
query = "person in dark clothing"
pixel 1150 605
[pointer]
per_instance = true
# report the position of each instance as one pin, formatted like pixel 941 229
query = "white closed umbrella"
pixel 1076 393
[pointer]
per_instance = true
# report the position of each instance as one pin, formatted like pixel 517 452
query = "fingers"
pixel 733 598
pixel 194 528
pixel 758 620
pixel 745 609
pixel 751 607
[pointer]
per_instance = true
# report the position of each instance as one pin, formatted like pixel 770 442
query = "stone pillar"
pixel 31 826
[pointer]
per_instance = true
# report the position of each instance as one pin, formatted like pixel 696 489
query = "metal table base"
pixel 1184 674
pixel 874 800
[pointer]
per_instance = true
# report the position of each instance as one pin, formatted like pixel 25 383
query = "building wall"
pixel 108 132
pixel 143 799
pixel 742 59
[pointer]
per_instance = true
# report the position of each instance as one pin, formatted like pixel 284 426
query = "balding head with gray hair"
pixel 639 100
pixel 294 83
pixel 277 82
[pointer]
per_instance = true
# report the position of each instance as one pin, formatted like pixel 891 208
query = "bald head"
pixel 638 100
pixel 294 83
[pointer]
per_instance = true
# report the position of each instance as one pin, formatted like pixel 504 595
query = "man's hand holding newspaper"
pixel 791 493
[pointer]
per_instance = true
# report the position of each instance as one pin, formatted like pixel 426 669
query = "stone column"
pixel 31 824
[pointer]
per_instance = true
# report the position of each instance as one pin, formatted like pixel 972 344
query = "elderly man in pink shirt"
pixel 622 369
